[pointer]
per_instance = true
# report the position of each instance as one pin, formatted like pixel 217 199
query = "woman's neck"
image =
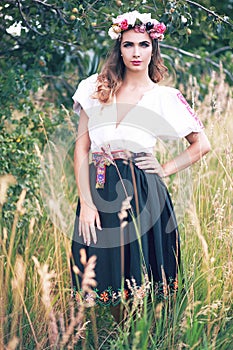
pixel 137 80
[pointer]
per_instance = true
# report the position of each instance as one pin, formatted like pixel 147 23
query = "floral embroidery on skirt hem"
pixel 133 293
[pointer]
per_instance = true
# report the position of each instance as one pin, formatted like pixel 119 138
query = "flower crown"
pixel 128 21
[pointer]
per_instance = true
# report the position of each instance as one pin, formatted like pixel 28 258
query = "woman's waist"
pixel 136 146
pixel 107 158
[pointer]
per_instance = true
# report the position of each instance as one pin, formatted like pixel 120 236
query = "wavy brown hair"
pixel 111 76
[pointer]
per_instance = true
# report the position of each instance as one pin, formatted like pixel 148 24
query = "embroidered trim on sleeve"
pixel 189 109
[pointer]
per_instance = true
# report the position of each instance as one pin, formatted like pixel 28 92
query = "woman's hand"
pixel 88 217
pixel 150 164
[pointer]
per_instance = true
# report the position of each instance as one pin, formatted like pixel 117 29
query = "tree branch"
pixel 52 7
pixel 198 57
pixel 91 6
pixel 209 12
pixel 45 4
pixel 25 20
pixel 221 49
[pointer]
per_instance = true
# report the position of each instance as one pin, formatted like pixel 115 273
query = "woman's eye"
pixel 144 44
pixel 127 45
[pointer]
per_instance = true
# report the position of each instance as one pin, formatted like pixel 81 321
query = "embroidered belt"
pixel 101 159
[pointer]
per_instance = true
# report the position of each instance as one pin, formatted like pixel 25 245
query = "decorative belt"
pixel 101 159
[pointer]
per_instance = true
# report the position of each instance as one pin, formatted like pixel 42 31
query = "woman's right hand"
pixel 88 217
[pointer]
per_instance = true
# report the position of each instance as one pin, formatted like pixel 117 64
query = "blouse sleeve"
pixel 82 96
pixel 180 116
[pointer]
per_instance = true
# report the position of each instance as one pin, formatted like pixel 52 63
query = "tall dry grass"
pixel 36 308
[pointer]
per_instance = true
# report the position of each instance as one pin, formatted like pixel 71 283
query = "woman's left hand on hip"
pixel 150 164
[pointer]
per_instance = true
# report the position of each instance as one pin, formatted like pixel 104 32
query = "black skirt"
pixel 138 256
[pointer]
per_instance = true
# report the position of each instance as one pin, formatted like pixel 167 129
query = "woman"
pixel 122 112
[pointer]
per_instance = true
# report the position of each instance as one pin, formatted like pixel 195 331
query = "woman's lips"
pixel 136 63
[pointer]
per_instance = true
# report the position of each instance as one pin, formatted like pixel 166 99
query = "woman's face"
pixel 136 50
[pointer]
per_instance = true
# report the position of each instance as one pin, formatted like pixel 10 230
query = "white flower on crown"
pixel 129 16
pixel 113 34
pixel 154 21
pixel 144 17
pixel 132 16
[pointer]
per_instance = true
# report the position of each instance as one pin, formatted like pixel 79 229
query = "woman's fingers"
pixel 87 229
pixel 93 233
pixel 81 230
pixel 150 164
pixel 146 159
pixel 86 233
pixel 98 223
pixel 146 165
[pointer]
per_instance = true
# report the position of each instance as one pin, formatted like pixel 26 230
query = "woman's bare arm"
pixel 81 161
pixel 88 213
pixel 199 146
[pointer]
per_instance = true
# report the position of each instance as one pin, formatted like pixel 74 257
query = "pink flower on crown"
pixel 124 24
pixel 140 28
pixel 160 28
pixel 155 35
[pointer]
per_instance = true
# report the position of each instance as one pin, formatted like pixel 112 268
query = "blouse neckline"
pixel 116 124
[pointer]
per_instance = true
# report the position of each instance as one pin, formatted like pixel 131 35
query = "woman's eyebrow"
pixel 131 42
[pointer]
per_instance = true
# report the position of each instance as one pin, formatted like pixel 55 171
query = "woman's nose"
pixel 136 52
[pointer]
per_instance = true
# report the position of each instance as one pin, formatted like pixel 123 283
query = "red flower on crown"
pixel 124 24
pixel 160 28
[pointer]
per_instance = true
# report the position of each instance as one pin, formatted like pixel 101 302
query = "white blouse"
pixel 162 112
